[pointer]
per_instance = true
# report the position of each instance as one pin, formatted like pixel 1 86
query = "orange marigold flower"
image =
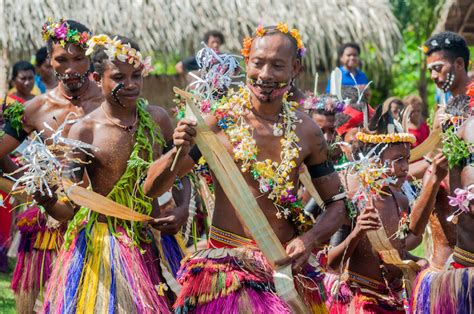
pixel 247 43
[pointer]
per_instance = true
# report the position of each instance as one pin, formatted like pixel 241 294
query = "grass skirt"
pixel 37 252
pixel 350 297
pixel 240 280
pixel 105 273
pixel 444 292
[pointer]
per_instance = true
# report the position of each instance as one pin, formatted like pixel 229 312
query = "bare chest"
pixel 53 116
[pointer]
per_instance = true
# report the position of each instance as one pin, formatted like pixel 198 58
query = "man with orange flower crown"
pixel 232 275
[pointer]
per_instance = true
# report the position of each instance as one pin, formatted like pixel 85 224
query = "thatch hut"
pixel 175 26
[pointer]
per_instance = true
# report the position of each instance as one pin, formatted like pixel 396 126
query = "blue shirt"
pixel 40 84
pixel 347 80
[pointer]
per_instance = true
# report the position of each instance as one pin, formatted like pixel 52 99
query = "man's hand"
pixel 45 200
pixel 171 220
pixel 184 134
pixel 439 168
pixel 299 250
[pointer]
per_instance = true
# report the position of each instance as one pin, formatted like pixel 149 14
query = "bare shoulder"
pixel 313 137
pixel 161 117
pixel 310 129
pixel 83 129
pixel 32 106
pixel 465 133
pixel 158 113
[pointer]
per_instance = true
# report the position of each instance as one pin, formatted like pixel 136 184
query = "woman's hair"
pixel 387 103
pixel 100 58
pixel 410 101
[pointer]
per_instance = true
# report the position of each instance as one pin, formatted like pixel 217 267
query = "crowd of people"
pixel 334 193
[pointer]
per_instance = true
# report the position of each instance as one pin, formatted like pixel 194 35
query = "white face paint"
pixel 449 82
pixel 431 65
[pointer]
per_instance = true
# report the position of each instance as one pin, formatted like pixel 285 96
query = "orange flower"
pixel 247 43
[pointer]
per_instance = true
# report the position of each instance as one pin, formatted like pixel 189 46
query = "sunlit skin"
pixel 24 83
pixel 272 59
pixel 364 260
pixel 53 106
pixel 116 144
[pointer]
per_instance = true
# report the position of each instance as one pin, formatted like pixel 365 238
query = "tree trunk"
pixel 422 89
pixel 4 66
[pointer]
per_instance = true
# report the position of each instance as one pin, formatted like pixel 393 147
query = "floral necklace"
pixel 272 177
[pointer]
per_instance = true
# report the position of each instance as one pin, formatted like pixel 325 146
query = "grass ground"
pixel 7 300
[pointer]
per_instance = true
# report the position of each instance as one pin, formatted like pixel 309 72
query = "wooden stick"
pixel 175 159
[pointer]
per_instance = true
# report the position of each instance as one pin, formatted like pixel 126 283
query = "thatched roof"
pixel 458 16
pixel 176 26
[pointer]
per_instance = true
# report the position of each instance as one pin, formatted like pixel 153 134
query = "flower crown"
pixel 60 31
pixel 116 50
pixel 386 138
pixel 282 28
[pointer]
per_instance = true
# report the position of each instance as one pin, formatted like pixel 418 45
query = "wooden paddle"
pixel 7 186
pixel 101 204
pixel 430 144
pixel 247 208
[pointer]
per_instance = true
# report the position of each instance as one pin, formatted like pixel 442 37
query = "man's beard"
pixel 273 90
pixel 81 79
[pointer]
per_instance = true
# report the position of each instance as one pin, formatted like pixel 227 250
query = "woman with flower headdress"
pixel 257 121
pixel 377 187
pixel 108 264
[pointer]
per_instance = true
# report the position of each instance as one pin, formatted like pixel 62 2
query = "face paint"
pixel 115 91
pixel 449 82
pixel 431 65
pixel 275 89
pixel 63 78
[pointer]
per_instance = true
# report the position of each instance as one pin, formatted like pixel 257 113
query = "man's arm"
pixel 425 203
pixel 160 178
pixel 327 183
pixel 170 221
